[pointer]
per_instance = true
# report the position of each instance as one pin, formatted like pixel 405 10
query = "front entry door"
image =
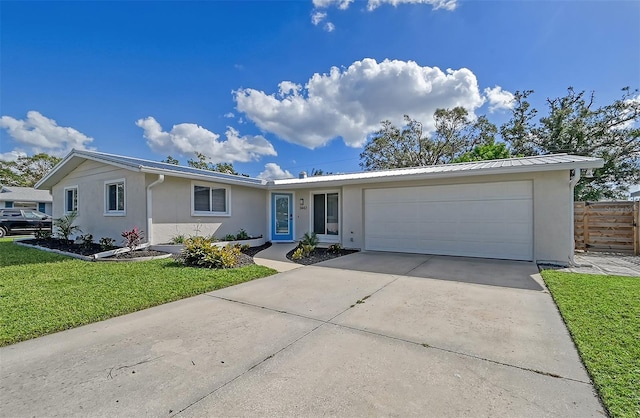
pixel 282 217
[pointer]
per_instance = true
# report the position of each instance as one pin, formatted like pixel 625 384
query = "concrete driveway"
pixel 366 334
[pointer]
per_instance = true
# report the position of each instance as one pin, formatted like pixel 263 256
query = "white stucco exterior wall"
pixel 552 210
pixel 90 178
pixel 172 212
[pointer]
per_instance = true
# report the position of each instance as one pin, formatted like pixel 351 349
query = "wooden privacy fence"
pixel 607 226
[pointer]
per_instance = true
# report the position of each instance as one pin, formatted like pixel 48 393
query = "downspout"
pixel 149 207
pixel 572 185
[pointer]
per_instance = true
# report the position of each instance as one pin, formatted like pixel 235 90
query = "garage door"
pixel 493 220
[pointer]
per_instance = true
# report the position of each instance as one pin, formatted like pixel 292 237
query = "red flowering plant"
pixel 132 238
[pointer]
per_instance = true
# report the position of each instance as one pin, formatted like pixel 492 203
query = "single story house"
pixel 517 208
pixel 26 198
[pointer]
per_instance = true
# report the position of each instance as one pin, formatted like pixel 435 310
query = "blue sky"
pixel 251 82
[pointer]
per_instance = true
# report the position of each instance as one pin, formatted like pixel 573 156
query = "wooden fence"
pixel 607 226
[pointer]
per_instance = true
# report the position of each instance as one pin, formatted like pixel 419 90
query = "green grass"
pixel 603 316
pixel 41 292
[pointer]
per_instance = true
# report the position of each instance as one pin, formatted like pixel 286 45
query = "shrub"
pixel 242 234
pixel 310 239
pixel 65 227
pixel 42 234
pixel 87 240
pixel 298 254
pixel 199 252
pixel 229 237
pixel 335 248
pixel 178 239
pixel 307 249
pixel 107 243
pixel 132 238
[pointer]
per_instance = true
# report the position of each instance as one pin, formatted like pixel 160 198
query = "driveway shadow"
pixel 503 273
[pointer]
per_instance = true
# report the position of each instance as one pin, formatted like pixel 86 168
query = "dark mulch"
pixel 66 246
pixel 318 255
pixel 138 253
pixel 255 250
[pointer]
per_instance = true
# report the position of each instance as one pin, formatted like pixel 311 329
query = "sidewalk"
pixel 275 257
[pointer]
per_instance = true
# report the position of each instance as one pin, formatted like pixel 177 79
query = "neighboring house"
pixel 518 208
pixel 635 195
pixel 25 198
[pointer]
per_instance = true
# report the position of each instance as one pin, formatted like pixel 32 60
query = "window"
pixel 325 213
pixel 8 204
pixel 70 199
pixel 115 197
pixel 42 207
pixel 210 200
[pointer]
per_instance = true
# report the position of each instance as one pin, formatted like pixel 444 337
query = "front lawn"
pixel 41 292
pixel 603 316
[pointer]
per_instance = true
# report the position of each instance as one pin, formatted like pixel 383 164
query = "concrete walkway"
pixel 275 257
pixel 604 263
pixel 329 340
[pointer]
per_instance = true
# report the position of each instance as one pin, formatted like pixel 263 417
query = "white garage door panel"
pixel 482 220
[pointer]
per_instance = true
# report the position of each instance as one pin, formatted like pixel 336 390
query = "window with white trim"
pixel 71 199
pixel 210 200
pixel 115 197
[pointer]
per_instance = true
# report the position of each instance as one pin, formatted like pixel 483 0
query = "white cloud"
pixel 319 14
pixel 12 155
pixel 351 102
pixel 436 4
pixel 189 138
pixel 499 99
pixel 318 17
pixel 38 133
pixel 341 4
pixel 273 171
pixel 229 115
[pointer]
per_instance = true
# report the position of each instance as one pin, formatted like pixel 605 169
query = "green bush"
pixel 335 248
pixel 229 237
pixel 65 227
pixel 178 239
pixel 298 254
pixel 242 234
pixel 43 234
pixel 310 239
pixel 107 243
pixel 200 252
pixel 87 240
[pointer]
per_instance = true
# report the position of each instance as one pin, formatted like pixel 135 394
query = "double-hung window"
pixel 71 199
pixel 210 200
pixel 114 197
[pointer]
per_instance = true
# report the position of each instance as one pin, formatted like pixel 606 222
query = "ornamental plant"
pixel 132 238
pixel 200 252
pixel 65 227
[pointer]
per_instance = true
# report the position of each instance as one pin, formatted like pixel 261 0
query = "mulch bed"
pixel 318 255
pixel 69 247
pixel 246 258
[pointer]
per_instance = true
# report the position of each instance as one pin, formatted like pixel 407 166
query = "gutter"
pixel 149 207
pixel 572 185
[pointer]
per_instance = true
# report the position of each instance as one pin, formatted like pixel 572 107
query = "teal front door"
pixel 282 217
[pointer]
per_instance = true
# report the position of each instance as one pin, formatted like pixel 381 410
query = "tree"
pixel 455 134
pixel 575 125
pixel 170 160
pixel 319 172
pixel 26 171
pixel 203 164
pixel 488 151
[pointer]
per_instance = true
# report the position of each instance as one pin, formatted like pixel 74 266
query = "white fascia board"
pixel 203 177
pixel 346 179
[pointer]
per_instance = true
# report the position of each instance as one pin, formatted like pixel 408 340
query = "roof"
pixel 509 165
pixel 24 194
pixel 504 166
pixel 77 157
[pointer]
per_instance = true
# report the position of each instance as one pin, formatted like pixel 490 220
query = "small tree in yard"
pixel 65 227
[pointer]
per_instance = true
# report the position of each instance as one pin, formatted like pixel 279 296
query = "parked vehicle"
pixel 23 221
